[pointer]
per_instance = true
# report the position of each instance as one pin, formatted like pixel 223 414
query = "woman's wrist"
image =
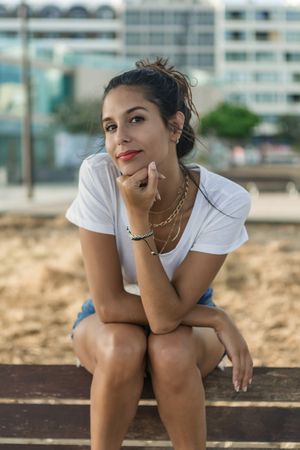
pixel 219 319
pixel 138 224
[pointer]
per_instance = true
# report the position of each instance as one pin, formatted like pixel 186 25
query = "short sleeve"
pixel 224 230
pixel 92 208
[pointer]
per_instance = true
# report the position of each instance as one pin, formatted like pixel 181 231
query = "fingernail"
pixel 245 389
pixel 250 381
pixel 158 195
pixel 162 176
pixel 236 386
pixel 152 165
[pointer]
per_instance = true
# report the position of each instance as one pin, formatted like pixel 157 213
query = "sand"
pixel 42 286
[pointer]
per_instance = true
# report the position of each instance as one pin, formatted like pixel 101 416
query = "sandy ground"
pixel 42 286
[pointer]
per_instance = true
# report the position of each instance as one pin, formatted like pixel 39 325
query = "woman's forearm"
pixel 128 308
pixel 161 303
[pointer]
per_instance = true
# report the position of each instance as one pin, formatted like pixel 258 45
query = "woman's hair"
pixel 168 89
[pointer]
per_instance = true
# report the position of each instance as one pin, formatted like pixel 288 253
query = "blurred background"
pixel 243 59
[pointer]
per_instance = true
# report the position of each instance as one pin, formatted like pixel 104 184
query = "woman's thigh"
pixel 93 338
pixel 209 350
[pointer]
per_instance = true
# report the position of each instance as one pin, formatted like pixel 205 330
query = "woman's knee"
pixel 113 347
pixel 171 356
pixel 121 349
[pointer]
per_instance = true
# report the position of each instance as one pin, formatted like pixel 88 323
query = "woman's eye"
pixel 110 128
pixel 137 119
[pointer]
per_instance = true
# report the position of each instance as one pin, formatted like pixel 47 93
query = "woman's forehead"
pixel 122 98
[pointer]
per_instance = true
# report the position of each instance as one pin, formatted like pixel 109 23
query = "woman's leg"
pixel 115 355
pixel 177 362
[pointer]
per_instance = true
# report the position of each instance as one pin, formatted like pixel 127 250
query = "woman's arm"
pixel 112 302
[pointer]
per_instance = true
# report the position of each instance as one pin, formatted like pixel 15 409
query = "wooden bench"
pixel 46 408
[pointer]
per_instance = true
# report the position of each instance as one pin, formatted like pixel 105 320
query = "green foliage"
pixel 229 121
pixel 79 117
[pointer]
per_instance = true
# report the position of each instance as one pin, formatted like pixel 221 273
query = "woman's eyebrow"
pixel 128 111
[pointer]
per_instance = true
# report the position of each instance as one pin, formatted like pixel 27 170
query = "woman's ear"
pixel 176 126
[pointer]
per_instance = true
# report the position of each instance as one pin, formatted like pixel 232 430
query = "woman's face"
pixel 135 133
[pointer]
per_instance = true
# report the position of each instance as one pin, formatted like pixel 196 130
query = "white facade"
pixel 258 57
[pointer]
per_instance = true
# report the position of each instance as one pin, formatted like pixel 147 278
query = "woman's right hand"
pixel 237 351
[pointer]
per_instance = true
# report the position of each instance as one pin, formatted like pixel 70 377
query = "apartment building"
pixel 258 57
pixel 183 31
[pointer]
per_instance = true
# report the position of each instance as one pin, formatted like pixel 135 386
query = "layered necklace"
pixel 175 216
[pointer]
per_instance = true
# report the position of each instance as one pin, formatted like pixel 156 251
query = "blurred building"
pixel 258 57
pixel 241 51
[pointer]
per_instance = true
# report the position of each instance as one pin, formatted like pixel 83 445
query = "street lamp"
pixel 26 140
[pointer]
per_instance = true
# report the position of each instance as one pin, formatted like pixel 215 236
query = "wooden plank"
pixel 224 423
pixel 64 381
pixel 43 447
pixel 80 447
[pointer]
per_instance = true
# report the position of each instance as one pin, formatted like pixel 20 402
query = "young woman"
pixel 146 219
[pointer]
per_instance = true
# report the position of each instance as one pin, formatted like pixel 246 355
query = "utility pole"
pixel 26 140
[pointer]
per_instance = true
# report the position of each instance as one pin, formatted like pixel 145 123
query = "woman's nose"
pixel 122 135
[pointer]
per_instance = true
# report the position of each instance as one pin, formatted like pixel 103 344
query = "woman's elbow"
pixel 106 314
pixel 163 327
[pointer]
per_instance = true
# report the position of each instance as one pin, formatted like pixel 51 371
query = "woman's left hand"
pixel 237 351
pixel 139 191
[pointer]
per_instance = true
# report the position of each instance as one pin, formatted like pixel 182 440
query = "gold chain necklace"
pixel 178 196
pixel 178 207
pixel 168 238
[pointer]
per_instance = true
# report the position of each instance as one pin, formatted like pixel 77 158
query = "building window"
pixel 180 18
pixel 266 97
pixel 156 39
pixel 78 12
pixel 236 56
pixel 293 15
pixel 50 12
pixel 137 39
pixel 132 17
pixel 156 17
pixel 105 12
pixel 293 98
pixel 236 76
pixel 3 11
pixel 236 97
pixel 204 18
pixel 235 36
pixel 235 15
pixel 262 36
pixel 263 15
pixel 292 36
pixel 292 56
pixel 204 39
pixel 296 77
pixel 266 77
pixel 265 56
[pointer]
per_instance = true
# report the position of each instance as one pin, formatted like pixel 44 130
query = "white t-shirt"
pixel 99 207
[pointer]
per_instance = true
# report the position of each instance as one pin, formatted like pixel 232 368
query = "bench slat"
pixel 261 424
pixel 80 447
pixel 66 381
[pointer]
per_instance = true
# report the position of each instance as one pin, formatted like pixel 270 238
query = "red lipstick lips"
pixel 129 154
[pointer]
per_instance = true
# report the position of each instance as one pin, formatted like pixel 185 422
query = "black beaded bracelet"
pixel 142 237
pixel 139 237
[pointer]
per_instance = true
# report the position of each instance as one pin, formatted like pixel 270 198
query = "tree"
pixel 229 121
pixel 79 117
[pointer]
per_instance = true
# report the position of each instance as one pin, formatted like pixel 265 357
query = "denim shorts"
pixel 88 309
